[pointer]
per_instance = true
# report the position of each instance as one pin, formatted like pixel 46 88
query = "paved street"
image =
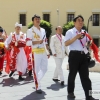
pixel 13 89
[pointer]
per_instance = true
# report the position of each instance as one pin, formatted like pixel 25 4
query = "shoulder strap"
pixel 82 43
pixel 86 36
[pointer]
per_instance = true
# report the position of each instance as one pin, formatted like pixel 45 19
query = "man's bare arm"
pixel 37 42
pixel 67 43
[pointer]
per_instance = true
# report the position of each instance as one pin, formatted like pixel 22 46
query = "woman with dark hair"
pixel 0 27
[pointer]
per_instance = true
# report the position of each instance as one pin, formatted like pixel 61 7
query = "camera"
pixel 82 36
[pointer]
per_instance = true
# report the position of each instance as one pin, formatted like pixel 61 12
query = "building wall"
pixel 10 9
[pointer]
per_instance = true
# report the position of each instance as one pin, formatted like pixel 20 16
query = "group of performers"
pixel 30 52
pixel 25 52
pixel 12 49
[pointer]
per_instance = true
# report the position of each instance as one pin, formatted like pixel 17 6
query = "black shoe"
pixel 71 95
pixel 39 91
pixel 11 73
pixel 91 98
pixel 62 83
pixel 0 73
pixel 56 80
pixel 20 78
pixel 30 73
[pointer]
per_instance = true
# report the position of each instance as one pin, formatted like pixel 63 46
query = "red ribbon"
pixel 59 37
pixel 94 48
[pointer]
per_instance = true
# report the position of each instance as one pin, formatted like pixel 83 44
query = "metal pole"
pixel 58 17
pixel 88 25
pixel 88 22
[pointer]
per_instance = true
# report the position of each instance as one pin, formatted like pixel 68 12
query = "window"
pixel 46 17
pixel 96 19
pixel 22 19
pixel 70 17
pixel 96 41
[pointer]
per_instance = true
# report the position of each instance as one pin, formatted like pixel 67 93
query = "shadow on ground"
pixel 35 96
pixel 56 86
pixel 13 82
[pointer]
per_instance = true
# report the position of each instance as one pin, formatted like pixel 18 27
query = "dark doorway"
pixel 96 41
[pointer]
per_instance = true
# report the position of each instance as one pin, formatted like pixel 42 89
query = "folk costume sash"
pixel 37 50
pixel 59 37
pixel 15 51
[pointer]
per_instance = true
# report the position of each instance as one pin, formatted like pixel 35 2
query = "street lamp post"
pixel 58 17
pixel 90 18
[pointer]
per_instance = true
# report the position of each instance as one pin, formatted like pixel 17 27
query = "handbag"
pixel 91 62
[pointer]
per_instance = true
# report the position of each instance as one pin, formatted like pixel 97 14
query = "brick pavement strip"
pixel 13 89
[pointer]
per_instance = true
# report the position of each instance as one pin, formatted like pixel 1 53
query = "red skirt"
pixel 1 63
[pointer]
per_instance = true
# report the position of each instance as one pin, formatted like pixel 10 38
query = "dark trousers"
pixel 78 63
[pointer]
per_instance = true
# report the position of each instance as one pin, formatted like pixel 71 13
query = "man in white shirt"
pixel 36 37
pixel 57 47
pixel 78 61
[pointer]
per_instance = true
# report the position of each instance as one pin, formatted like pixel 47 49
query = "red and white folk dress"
pixel 17 59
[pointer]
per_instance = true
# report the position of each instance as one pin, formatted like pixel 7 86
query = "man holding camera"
pixel 78 61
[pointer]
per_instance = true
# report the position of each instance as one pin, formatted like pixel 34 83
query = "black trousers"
pixel 78 63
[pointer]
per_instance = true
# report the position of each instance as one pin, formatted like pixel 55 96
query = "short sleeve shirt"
pixel 76 45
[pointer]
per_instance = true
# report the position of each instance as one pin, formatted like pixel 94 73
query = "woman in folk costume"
pixel 2 50
pixel 17 59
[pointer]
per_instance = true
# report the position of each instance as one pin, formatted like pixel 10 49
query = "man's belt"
pixel 38 50
pixel 76 51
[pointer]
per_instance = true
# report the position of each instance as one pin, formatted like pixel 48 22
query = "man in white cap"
pixel 16 42
pixel 36 37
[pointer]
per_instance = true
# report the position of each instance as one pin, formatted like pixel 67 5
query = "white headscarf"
pixel 17 24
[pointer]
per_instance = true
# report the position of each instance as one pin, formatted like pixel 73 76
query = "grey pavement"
pixel 13 89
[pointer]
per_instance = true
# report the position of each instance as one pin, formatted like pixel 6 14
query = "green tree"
pixel 46 25
pixel 68 26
